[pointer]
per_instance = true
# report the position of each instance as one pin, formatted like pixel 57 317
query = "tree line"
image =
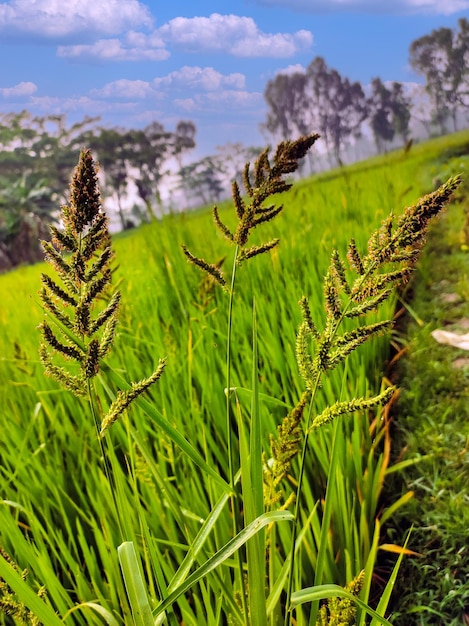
pixel 322 100
pixel 37 154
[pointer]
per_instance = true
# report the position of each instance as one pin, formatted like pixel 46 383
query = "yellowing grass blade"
pixel 391 547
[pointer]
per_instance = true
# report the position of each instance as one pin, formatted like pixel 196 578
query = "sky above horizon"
pixel 133 62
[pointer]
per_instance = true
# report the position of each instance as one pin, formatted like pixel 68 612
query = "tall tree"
pixel 381 111
pixel 232 159
pixel 45 145
pixel 141 157
pixel 339 105
pixel 27 207
pixel 114 148
pixel 442 58
pixel 462 46
pixel 287 115
pixel 184 139
pixel 153 146
pixel 37 155
pixel 204 179
pixel 401 111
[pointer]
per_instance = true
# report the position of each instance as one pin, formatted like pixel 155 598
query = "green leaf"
pixel 168 429
pixel 105 614
pixel 222 555
pixel 134 584
pixel 26 595
pixel 385 596
pixel 315 594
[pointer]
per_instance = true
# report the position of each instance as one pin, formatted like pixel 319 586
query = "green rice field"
pixel 140 527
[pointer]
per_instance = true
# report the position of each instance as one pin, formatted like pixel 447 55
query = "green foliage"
pixel 431 431
pixel 58 514
pixel 37 158
pixel 9 604
pixel 441 57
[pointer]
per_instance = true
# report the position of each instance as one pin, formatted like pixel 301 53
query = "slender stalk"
pixel 235 509
pixel 104 455
pixel 331 480
pixel 299 488
pixel 288 612
pixel 228 378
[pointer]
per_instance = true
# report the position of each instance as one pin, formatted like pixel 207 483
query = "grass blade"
pixel 385 596
pixel 315 594
pixel 222 555
pixel 26 595
pixel 253 493
pixel 135 585
pixel 97 608
pixel 168 429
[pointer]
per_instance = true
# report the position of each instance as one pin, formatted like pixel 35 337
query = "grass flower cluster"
pixel 81 254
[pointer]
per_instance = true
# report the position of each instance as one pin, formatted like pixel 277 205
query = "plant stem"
pixel 107 469
pixel 235 511
pixel 332 333
pixel 297 503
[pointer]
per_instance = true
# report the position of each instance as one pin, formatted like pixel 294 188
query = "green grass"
pixel 56 512
pixel 431 427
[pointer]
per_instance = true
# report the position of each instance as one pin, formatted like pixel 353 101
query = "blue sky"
pixel 132 62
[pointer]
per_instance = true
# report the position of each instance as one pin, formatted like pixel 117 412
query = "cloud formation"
pixel 232 34
pixel 191 89
pixel 133 46
pixel 60 18
pixel 122 30
pixel 220 101
pixel 188 88
pixel 20 90
pixel 436 7
pixel 125 89
pixel 203 78
pixel 229 34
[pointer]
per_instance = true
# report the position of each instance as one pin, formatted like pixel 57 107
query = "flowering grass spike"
pixel 81 329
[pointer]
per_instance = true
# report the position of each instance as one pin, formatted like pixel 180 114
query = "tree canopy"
pixel 38 154
pixel 320 99
pixel 442 57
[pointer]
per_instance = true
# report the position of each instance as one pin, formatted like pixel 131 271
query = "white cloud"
pixel 438 7
pixel 205 78
pixel 219 102
pixel 185 104
pixel 112 30
pixel 297 68
pixel 233 34
pixel 60 18
pixel 133 47
pixel 235 99
pixel 83 105
pixel 19 90
pixel 190 89
pixel 125 90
